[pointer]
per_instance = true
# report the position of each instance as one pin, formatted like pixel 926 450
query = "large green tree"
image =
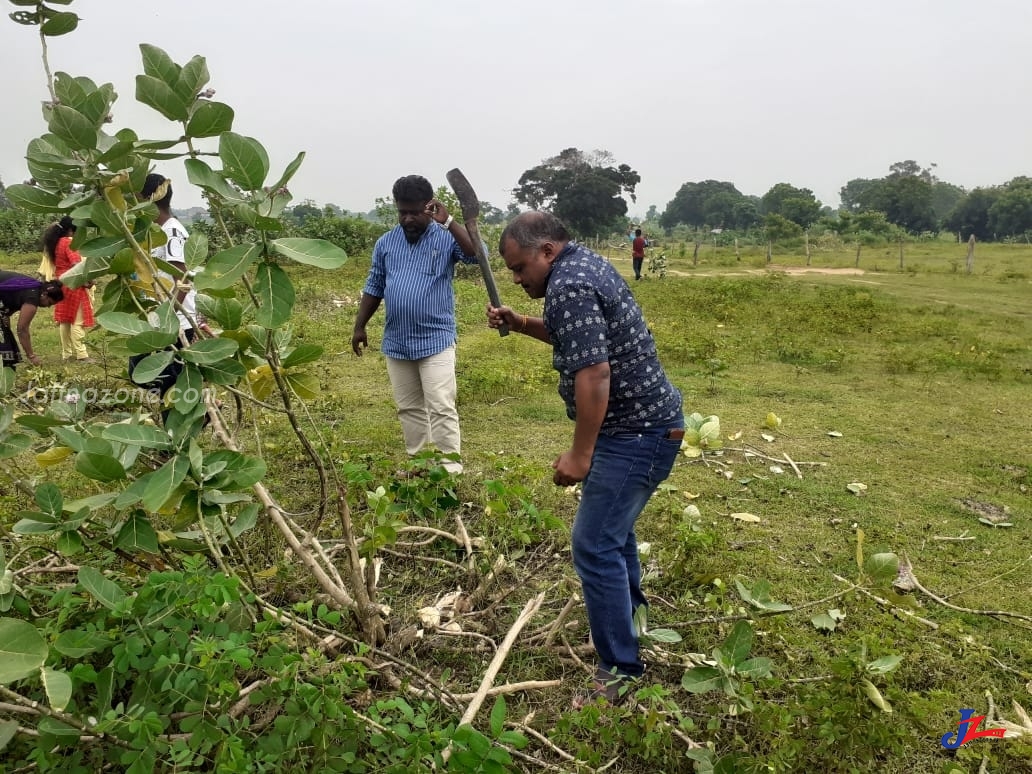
pixel 907 196
pixel 971 214
pixel 714 203
pixel 798 205
pixel 1011 213
pixel 585 190
pixel 5 203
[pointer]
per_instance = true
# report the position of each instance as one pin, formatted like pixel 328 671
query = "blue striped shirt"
pixel 415 283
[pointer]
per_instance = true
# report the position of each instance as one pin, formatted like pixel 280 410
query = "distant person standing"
pixel 412 270
pixel 638 252
pixel 74 313
pixel 173 252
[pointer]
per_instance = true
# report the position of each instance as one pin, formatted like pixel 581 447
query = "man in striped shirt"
pixel 412 270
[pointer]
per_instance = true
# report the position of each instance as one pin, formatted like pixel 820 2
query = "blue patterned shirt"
pixel 592 318
pixel 415 283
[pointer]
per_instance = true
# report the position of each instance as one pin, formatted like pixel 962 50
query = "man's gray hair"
pixel 532 229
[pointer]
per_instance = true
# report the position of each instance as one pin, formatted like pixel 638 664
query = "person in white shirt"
pixel 172 252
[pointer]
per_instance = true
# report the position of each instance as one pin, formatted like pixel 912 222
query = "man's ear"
pixel 550 250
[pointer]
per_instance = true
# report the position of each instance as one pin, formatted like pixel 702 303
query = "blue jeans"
pixel 625 471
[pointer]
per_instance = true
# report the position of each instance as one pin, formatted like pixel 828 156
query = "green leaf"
pixel 759 597
pixel 99 467
pixel 228 313
pixel 739 642
pixel 48 498
pixel 8 728
pixel 203 176
pixel 301 354
pixel 237 471
pixel 875 696
pixel 120 322
pixel 824 622
pixel 498 716
pixel 73 127
pixel 701 679
pixel 210 119
pixel 665 636
pixel 244 160
pixel 69 542
pixel 149 341
pixel 246 520
pixel 164 482
pixel 132 493
pixel 76 644
pixel 105 218
pixel 49 726
pixel 22 650
pixel 7 379
pixel 275 291
pixel 94 502
pixel 192 78
pixel 882 568
pixel 289 172
pixel 58 686
pixel 158 64
pixel 305 386
pixel 137 534
pixel 101 247
pixel 196 249
pixel 209 351
pixel 137 435
pixel 30 526
pixel 106 592
pixel 32 199
pixel 160 96
pixel 884 665
pixel 59 24
pixel 13 445
pixel 228 372
pixel 754 667
pixel 148 369
pixel 187 393
pixel 225 268
pixel 168 322
pixel 313 252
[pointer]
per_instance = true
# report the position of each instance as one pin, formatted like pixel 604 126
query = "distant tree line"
pixel 589 191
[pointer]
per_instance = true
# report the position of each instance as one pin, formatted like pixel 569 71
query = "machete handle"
pixel 485 270
pixel 470 205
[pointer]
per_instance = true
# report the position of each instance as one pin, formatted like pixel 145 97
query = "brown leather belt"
pixel 675 434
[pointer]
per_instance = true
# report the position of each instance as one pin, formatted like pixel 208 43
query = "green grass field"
pixel 915 383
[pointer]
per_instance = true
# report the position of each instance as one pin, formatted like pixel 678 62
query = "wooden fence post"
pixel 807 235
pixel 770 249
pixel 901 253
pixel 738 255
pixel 858 246
pixel 971 254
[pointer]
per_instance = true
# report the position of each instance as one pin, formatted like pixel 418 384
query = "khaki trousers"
pixel 425 394
pixel 73 339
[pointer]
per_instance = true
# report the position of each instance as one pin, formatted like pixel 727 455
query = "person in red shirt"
pixel 74 314
pixel 638 252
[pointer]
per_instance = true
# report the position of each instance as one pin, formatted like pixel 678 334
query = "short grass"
pixel 923 374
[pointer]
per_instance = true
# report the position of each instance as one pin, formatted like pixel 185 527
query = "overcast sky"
pixel 810 92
